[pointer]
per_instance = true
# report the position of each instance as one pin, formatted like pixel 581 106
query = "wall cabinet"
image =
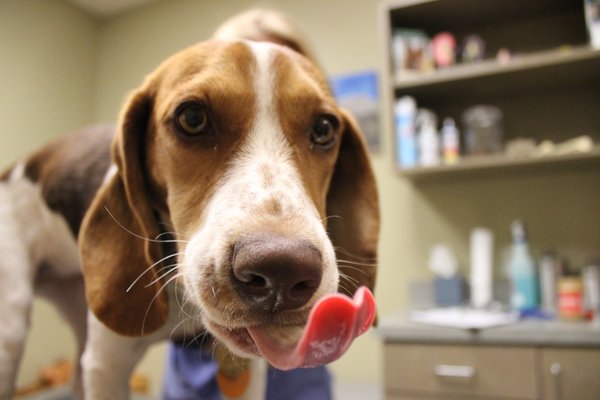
pixel 570 373
pixel 549 89
pixel 469 372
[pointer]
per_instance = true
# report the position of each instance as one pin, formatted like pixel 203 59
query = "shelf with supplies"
pixel 566 65
pixel 501 162
pixel 536 62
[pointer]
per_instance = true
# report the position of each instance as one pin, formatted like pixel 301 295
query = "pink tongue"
pixel 334 322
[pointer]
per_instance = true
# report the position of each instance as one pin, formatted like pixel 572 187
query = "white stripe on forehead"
pixel 266 136
pixel 266 149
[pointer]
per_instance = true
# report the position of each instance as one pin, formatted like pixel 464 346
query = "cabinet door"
pixel 571 374
pixel 460 372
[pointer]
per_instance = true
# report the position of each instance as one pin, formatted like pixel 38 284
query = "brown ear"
pixel 116 239
pixel 353 211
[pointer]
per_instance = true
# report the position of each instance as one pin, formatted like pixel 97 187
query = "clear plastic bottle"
pixel 522 271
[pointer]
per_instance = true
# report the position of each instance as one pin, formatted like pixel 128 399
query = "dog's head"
pixel 239 151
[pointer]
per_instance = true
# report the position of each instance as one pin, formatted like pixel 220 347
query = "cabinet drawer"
pixel 571 374
pixel 505 372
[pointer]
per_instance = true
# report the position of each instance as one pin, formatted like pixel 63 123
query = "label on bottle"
pixel 570 299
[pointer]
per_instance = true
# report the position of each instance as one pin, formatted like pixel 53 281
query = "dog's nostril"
pixel 303 286
pixel 271 272
pixel 255 281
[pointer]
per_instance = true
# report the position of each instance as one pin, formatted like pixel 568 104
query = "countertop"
pixel 399 328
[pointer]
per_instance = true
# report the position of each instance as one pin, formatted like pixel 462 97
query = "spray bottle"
pixel 521 270
pixel 450 141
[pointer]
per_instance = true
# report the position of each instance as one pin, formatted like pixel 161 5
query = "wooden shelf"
pixel 566 66
pixel 492 67
pixel 456 15
pixel 500 162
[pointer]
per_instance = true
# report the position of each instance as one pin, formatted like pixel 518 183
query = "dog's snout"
pixel 273 272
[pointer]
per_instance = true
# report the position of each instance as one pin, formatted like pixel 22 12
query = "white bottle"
pixel 429 141
pixel 450 142
pixel 482 258
pixel 406 144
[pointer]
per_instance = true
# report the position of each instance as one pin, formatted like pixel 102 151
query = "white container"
pixel 429 140
pixel 592 17
pixel 482 250
pixel 591 289
pixel 406 143
pixel 549 273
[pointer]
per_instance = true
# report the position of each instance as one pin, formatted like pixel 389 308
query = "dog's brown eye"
pixel 192 120
pixel 323 131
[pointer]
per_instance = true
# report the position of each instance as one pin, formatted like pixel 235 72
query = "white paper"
pixel 463 318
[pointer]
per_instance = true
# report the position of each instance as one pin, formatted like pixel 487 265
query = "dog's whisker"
pixel 342 250
pixel 150 268
pixel 157 237
pixel 139 236
pixel 181 315
pixel 182 303
pixel 343 261
pixel 200 338
pixel 349 279
pixel 180 323
pixel 161 277
pixel 169 267
pixel 331 217
pixel 349 267
pixel 344 289
pixel 158 292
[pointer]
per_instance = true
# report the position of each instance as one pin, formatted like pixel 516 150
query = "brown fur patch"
pixel 6 174
pixel 303 94
pixel 186 171
pixel 70 170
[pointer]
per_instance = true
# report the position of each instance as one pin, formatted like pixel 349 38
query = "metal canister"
pixel 549 273
pixel 591 288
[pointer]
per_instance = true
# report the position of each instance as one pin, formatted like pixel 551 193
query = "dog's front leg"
pixel 16 296
pixel 15 309
pixel 109 360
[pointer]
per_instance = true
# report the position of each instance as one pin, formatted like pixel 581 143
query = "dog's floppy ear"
pixel 353 211
pixel 116 239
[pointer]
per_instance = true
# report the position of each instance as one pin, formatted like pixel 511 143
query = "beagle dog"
pixel 233 194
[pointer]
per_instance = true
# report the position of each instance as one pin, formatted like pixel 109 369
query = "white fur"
pixel 112 171
pixel 30 234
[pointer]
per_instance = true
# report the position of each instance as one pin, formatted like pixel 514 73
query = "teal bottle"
pixel 522 271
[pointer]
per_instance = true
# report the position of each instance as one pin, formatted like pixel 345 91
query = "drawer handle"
pixel 555 371
pixel 454 371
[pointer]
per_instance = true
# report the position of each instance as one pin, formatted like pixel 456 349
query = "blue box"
pixel 449 291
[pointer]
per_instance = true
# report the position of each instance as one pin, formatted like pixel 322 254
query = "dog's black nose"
pixel 272 272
